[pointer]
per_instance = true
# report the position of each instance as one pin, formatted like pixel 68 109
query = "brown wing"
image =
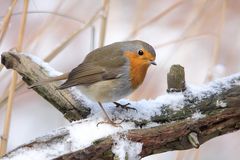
pixel 102 64
pixel 87 74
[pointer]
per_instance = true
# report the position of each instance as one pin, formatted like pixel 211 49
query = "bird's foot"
pixel 114 124
pixel 124 106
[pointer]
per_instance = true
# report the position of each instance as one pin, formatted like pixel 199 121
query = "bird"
pixel 110 73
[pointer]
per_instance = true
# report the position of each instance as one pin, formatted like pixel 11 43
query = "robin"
pixel 110 73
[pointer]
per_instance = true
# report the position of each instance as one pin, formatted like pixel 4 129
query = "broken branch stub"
pixel 176 79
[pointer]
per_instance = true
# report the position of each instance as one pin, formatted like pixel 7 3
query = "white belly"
pixel 107 91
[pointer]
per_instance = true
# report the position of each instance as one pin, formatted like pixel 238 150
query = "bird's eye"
pixel 140 52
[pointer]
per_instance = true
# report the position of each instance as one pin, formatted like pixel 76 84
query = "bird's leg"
pixel 109 121
pixel 124 106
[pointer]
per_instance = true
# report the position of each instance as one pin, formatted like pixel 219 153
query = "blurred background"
pixel 201 35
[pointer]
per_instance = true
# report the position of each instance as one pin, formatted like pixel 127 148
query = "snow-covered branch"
pixel 33 69
pixel 174 121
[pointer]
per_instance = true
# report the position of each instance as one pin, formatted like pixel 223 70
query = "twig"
pixel 154 19
pixel 51 13
pixel 178 40
pixel 106 6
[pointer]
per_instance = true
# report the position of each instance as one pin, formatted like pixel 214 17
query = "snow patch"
pixel 220 103
pixel 237 83
pixel 84 134
pixel 219 71
pixel 52 72
pixel 198 115
pixel 126 149
pixel 215 87
pixel 41 153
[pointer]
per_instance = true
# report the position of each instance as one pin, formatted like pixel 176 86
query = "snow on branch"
pixel 174 121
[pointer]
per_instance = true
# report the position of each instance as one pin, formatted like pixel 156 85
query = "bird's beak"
pixel 153 63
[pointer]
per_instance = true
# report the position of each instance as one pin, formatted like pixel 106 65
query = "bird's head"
pixel 140 55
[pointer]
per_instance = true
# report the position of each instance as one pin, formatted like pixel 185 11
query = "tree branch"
pixel 174 136
pixel 65 101
pixel 175 121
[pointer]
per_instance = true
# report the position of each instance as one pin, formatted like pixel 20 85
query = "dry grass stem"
pixel 54 13
pixel 180 155
pixel 151 21
pixel 155 19
pixel 92 42
pixel 4 139
pixel 6 89
pixel 22 27
pixel 59 48
pixel 1 67
pixel 185 39
pixel 217 42
pixel 191 27
pixel 4 97
pixel 43 28
pixel 195 20
pixel 197 154
pixel 5 24
pixel 139 13
pixel 106 6
pixel 6 20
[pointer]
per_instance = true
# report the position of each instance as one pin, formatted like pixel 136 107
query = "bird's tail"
pixel 50 79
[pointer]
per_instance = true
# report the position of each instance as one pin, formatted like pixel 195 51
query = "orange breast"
pixel 138 69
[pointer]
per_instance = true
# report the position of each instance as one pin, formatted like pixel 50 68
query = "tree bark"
pixel 176 129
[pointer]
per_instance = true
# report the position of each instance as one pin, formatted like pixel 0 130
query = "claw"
pixel 124 106
pixel 114 124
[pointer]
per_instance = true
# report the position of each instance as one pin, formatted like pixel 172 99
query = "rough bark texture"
pixel 221 110
pixel 64 100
